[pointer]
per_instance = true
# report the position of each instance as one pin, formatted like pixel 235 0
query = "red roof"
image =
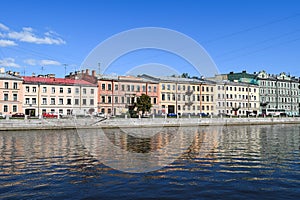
pixel 55 81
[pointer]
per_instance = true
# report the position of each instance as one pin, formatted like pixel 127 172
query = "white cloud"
pixel 27 35
pixel 49 62
pixel 3 27
pixel 8 62
pixel 6 43
pixel 31 62
pixel 34 62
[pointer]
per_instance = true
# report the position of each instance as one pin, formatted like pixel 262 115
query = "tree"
pixel 185 75
pixel 143 103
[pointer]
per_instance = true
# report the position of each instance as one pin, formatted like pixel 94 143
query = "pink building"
pixel 10 93
pixel 116 93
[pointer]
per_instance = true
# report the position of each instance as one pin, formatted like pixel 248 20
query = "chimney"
pixel 2 70
pixel 16 73
pixel 82 72
pixel 94 73
pixel 87 72
pixel 33 74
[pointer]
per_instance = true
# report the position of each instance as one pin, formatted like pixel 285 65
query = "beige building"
pixel 236 98
pixel 11 92
pixel 185 96
pixel 44 94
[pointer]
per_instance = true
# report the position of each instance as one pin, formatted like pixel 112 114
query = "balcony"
pixel 189 103
pixel 189 92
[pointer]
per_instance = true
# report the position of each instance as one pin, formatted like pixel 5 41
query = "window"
pixel 53 90
pixel 52 101
pixel 138 88
pixel 83 101
pixel 109 99
pixel 91 102
pixel 27 88
pixel 15 97
pixel 44 90
pixel 33 100
pixel 168 87
pixel 92 91
pixel 116 99
pixel 60 111
pixel 207 98
pixel 123 99
pixel 116 87
pixel 61 101
pixel 15 108
pixel 27 101
pixel 123 87
pixel 109 86
pixel 103 86
pixel 132 88
pixel 44 101
pixel 69 101
pixel 69 90
pixel 5 97
pixel 149 88
pixel 163 87
pixel 163 97
pixel 144 88
pixel 103 99
pixel 77 90
pixel 6 85
pixel 76 101
pixel 15 86
pixel 84 90
pixel 154 100
pixel 61 90
pixel 128 87
pixel 154 89
pixel 33 89
pixel 5 108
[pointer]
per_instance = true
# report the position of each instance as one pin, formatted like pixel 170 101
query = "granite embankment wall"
pixel 86 123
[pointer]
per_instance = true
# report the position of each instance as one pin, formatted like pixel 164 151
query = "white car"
pixel 101 115
pixel 3 116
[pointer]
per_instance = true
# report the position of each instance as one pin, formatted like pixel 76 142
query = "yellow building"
pixel 184 96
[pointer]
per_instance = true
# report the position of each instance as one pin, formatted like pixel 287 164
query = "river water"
pixel 231 162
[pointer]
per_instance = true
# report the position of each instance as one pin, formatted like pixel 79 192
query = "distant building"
pixel 184 96
pixel 236 98
pixel 45 94
pixel 11 93
pixel 117 93
pixel 279 93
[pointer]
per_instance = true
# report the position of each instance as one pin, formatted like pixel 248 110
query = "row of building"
pixel 83 93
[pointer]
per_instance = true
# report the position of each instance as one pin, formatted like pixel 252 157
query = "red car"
pixel 50 115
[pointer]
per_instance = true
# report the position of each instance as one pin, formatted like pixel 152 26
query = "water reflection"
pixel 257 160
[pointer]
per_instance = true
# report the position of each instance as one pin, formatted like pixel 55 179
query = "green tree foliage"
pixel 143 103
pixel 185 75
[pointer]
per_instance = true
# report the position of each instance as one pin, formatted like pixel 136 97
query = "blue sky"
pixel 43 36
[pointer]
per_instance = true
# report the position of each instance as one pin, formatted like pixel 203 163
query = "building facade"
pixel 184 96
pixel 279 93
pixel 236 98
pixel 46 94
pixel 11 93
pixel 117 93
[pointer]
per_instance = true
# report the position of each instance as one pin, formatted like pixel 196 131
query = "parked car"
pixel 51 115
pixel 18 115
pixel 171 115
pixel 203 115
pixel 2 115
pixel 100 114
